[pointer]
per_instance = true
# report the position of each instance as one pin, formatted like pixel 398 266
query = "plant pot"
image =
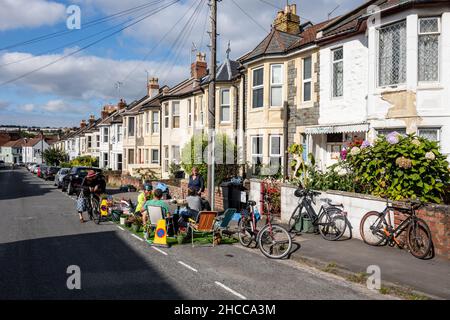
pixel 123 220
pixel 128 224
pixel 136 228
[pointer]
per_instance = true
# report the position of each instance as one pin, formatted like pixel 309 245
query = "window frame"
pixel 333 63
pixel 438 132
pixel 257 87
pixel 189 109
pixel 131 133
pixel 439 34
pixel 378 64
pixel 153 160
pixel 273 155
pixel 155 121
pixel 307 80
pixel 105 135
pixel 166 163
pixel 276 85
pixel 147 122
pixel 119 133
pixel 166 116
pixel 223 105
pixel 174 103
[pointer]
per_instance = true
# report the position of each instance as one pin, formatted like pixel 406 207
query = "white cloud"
pixel 84 77
pixel 29 13
pixel 29 107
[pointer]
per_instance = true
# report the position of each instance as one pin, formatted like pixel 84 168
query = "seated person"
pixel 194 201
pixel 143 197
pixel 156 202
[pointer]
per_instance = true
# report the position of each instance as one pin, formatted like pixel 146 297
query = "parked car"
pixel 72 181
pixel 49 173
pixel 2 164
pixel 30 166
pixel 60 175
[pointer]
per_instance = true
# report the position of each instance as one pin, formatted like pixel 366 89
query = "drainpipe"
pixel 286 140
pixel 235 122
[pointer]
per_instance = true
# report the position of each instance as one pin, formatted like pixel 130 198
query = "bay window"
pixel 429 35
pixel 225 105
pixel 392 54
pixel 276 85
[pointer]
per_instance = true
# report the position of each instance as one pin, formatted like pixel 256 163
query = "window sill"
pixel 394 88
pixel 429 86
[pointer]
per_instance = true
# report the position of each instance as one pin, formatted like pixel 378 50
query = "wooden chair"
pixel 205 224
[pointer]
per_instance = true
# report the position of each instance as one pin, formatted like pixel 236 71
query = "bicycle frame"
pixel 391 233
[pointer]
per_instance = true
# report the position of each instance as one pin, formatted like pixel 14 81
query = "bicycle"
pixel 376 229
pixel 273 240
pixel 331 221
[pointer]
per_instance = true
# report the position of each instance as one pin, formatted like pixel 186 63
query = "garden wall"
pixel 357 205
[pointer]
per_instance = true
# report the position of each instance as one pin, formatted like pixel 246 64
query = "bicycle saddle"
pixel 331 203
pixel 251 203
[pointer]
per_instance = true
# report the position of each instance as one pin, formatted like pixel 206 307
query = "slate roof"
pixel 228 70
pixel 355 21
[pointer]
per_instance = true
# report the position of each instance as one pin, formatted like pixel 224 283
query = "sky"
pixel 71 73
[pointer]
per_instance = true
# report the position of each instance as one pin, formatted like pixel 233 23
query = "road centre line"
pixel 187 266
pixel 230 290
pixel 160 251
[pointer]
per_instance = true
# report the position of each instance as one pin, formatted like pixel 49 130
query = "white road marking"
pixel 187 266
pixel 121 228
pixel 135 236
pixel 237 294
pixel 160 251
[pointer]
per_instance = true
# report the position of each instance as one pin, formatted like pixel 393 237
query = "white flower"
pixel 416 142
pixel 342 172
pixel 355 151
pixel 430 156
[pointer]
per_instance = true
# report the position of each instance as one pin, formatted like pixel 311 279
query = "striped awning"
pixel 342 128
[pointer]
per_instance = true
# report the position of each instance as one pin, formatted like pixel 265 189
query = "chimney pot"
pixel 153 87
pixel 199 67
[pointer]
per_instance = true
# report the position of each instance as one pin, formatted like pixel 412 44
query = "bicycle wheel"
pixel 274 241
pixel 245 234
pixel 419 238
pixel 332 224
pixel 295 218
pixel 371 229
pixel 96 211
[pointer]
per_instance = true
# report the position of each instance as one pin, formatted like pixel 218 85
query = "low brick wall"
pixel 437 218
pixel 117 180
pixel 357 205
pixel 179 189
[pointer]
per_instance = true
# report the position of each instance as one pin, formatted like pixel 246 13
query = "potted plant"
pixel 137 224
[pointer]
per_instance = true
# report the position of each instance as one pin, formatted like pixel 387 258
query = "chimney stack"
pixel 122 104
pixel 91 120
pixel 105 114
pixel 153 87
pixel 288 21
pixel 199 67
pixel 83 124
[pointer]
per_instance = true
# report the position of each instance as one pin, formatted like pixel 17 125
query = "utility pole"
pixel 212 104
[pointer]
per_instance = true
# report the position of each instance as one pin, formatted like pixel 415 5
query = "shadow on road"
pixel 16 184
pixel 110 269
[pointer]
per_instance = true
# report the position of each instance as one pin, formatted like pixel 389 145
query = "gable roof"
pixel 15 143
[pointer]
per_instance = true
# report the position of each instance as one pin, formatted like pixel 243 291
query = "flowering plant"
pixel 402 167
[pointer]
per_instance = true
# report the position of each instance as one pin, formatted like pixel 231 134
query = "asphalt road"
pixel 41 236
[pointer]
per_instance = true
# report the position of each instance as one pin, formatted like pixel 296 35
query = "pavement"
pixel 398 267
pixel 41 238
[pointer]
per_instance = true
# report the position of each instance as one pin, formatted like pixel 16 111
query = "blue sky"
pixel 72 89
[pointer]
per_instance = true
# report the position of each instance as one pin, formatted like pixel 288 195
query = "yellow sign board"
pixel 104 208
pixel 161 233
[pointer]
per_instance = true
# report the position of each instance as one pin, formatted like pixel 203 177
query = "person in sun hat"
pixel 144 196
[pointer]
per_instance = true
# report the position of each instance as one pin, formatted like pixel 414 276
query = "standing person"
pixel 93 183
pixel 196 182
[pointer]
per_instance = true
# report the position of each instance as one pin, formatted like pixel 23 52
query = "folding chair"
pixel 155 214
pixel 205 224
pixel 222 222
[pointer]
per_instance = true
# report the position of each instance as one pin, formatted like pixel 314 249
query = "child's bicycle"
pixel 273 240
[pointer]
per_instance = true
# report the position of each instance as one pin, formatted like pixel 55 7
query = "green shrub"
pixel 401 167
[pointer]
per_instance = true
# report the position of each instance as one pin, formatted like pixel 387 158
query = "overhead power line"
pixel 89 45
pixel 249 16
pixel 85 26
pixel 37 55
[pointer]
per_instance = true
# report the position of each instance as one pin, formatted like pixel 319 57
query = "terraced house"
pixel 282 95
pixel 384 67
pixel 184 108
pixel 142 139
